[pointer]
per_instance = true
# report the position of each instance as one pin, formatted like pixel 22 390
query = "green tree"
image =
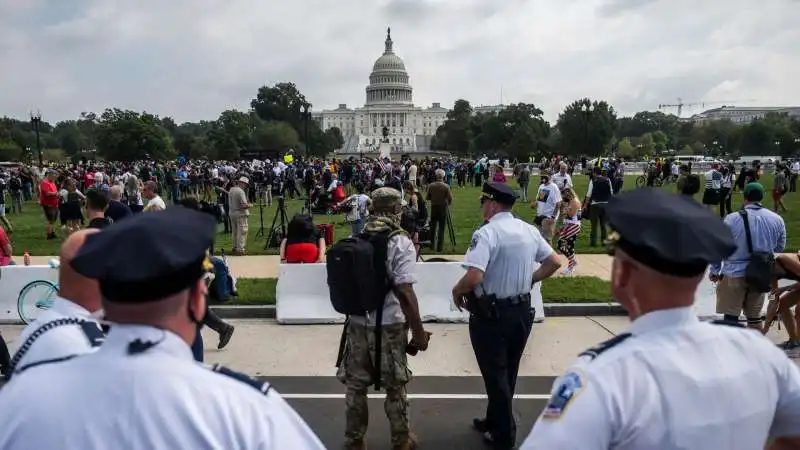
pixel 626 149
pixel 231 133
pixel 276 136
pixel 124 135
pixel 333 139
pixel 455 134
pixel 686 151
pixel 587 127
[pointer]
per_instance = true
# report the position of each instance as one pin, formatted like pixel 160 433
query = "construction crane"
pixel 680 105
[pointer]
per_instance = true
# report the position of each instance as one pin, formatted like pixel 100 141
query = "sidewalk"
pixel 266 266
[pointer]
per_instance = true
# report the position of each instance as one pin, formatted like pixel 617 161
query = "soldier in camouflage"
pixel 400 313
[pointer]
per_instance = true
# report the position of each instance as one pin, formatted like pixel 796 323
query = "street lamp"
pixel 587 110
pixel 36 121
pixel 306 119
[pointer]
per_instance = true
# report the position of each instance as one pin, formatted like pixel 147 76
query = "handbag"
pixel 760 265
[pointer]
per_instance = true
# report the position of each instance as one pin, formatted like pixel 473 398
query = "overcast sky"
pixel 191 59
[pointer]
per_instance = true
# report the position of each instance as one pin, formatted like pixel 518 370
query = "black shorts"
pixel 50 213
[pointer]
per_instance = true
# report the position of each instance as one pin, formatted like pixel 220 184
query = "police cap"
pixel 669 233
pixel 499 192
pixel 147 257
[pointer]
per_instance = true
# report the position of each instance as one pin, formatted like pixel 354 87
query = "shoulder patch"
pixel 728 323
pixel 474 242
pixel 262 386
pixel 569 386
pixel 597 350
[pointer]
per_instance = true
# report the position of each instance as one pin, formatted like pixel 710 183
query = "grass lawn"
pixel 261 291
pixel 465 212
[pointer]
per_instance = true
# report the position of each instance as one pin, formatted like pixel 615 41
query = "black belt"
pixel 513 301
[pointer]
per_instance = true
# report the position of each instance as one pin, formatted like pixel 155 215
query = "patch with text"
pixel 569 386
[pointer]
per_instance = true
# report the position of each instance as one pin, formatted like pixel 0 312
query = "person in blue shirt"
pixel 768 234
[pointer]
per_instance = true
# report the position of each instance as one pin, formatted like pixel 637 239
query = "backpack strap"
pixel 747 233
pixel 380 243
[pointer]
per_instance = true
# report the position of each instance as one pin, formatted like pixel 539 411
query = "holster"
pixel 484 307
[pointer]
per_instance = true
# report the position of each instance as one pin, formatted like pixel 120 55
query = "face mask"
pixel 98 315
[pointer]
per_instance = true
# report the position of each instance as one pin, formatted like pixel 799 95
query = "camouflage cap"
pixel 386 199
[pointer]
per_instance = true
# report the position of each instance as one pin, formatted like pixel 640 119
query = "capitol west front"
pixel 389 103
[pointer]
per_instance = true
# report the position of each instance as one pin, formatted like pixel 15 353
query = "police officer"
pixel 70 327
pixel 142 389
pixel 496 290
pixel 671 381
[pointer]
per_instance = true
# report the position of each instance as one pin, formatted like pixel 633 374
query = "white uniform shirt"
pixel 158 399
pixel 59 342
pixel 547 200
pixel 676 383
pixel 506 250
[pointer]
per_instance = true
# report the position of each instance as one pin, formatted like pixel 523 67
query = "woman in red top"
pixel 302 243
pixel 48 198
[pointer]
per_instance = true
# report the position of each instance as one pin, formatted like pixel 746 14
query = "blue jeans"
pixel 355 228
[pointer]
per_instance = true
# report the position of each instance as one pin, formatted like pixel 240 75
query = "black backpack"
pixel 358 283
pixel 357 278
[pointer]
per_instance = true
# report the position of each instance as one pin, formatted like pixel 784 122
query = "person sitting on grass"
pixel 303 243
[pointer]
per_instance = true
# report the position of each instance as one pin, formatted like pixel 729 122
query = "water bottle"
pixel 26 258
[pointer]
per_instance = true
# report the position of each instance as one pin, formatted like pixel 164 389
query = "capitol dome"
pixel 388 82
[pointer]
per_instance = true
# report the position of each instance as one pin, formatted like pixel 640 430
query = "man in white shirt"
pixel 562 179
pixel 69 328
pixel 154 201
pixel 795 171
pixel 547 201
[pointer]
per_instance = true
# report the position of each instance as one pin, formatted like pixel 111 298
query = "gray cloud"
pixel 191 59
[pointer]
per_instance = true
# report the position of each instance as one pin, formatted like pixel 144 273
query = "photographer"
pixel 239 210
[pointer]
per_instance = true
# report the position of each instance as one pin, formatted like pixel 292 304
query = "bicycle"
pixel 641 181
pixel 36 296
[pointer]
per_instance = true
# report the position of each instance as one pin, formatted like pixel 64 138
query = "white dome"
pixel 388 82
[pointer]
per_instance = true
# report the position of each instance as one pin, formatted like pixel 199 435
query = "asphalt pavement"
pixel 441 409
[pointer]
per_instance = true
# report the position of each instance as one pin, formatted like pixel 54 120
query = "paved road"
pixel 442 409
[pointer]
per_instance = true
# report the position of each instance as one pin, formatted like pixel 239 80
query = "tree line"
pixel 277 121
pixel 591 128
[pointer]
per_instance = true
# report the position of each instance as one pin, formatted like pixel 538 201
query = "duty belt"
pixel 514 301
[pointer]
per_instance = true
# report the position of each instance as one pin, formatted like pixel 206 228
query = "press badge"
pixel 569 386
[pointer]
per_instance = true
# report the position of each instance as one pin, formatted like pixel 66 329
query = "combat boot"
pixel 409 444
pixel 359 444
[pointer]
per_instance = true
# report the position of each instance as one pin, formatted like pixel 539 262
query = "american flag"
pixel 385 167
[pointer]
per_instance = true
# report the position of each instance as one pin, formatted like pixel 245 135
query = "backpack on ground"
pixel 358 283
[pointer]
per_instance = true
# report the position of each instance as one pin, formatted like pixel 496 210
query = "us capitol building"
pixel 388 104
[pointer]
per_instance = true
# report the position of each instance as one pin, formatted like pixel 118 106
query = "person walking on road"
pixel 357 369
pixel 496 290
pixel 670 381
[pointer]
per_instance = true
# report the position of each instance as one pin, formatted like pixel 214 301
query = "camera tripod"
pixel 451 233
pixel 260 232
pixel 273 230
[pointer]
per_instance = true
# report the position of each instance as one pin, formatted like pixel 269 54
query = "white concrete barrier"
pixel 21 287
pixel 302 294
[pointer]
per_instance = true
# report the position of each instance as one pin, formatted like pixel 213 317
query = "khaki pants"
pixel 548 229
pixel 733 297
pixel 239 232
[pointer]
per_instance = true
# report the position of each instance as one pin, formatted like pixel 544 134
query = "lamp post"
pixel 306 120
pixel 587 110
pixel 36 121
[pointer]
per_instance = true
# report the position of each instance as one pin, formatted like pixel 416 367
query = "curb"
pixel 550 310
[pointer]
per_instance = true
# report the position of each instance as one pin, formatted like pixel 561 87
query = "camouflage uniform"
pixel 356 373
pixel 357 368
